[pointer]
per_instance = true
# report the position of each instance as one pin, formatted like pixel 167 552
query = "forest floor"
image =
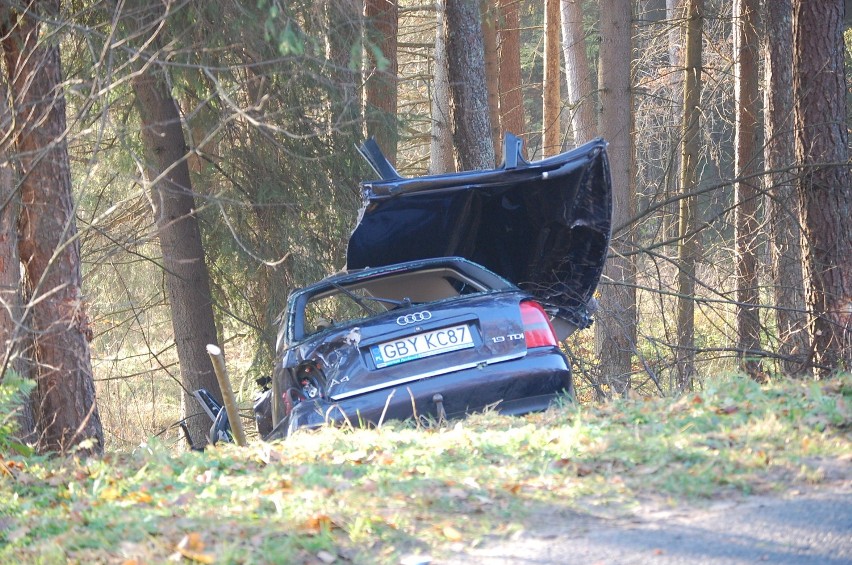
pixel 736 472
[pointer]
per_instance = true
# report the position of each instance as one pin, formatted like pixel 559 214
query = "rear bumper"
pixel 518 386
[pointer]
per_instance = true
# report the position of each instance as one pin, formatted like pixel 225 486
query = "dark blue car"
pixel 457 293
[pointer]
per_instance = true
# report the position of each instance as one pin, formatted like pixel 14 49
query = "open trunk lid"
pixel 544 225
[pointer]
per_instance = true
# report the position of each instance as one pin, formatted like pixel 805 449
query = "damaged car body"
pixel 457 292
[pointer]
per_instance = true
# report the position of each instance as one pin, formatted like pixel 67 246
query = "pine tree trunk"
pixel 492 70
pixel 577 73
pixel 615 326
pixel 469 93
pixel 511 89
pixel 11 347
pixel 746 161
pixel 690 153
pixel 380 86
pixel 779 154
pixel 66 411
pixel 441 146
pixel 551 98
pixel 187 278
pixel 825 182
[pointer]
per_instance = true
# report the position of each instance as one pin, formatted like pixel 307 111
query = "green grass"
pixel 373 495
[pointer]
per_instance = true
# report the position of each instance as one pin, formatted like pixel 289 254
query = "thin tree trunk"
pixel 577 73
pixel 690 152
pixel 469 93
pixel 380 87
pixel 511 89
pixel 492 69
pixel 779 153
pixel 441 146
pixel 551 98
pixel 187 279
pixel 746 162
pixel 49 249
pixel 825 184
pixel 615 328
pixel 675 12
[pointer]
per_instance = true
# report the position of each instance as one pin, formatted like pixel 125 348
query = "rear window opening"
pixel 342 304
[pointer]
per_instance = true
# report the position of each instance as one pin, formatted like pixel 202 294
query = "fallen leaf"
pixel 191 547
pixel 451 533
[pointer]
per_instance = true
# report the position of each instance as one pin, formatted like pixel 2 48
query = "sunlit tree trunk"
pixel 492 69
pixel 469 94
pixel 551 98
pixel 825 182
pixel 615 326
pixel 441 146
pixel 187 278
pixel 746 167
pixel 66 411
pixel 779 154
pixel 511 89
pixel 690 153
pixel 577 73
pixel 381 80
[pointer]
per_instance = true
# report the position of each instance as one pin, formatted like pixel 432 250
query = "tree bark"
pixel 690 153
pixel 825 182
pixel 468 91
pixel 11 310
pixel 511 89
pixel 779 153
pixel 746 161
pixel 187 278
pixel 380 86
pixel 441 146
pixel 66 410
pixel 492 70
pixel 615 327
pixel 577 73
pixel 551 97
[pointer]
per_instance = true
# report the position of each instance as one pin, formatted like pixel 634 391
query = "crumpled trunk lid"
pixel 544 226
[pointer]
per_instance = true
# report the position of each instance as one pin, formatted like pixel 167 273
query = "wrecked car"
pixel 457 292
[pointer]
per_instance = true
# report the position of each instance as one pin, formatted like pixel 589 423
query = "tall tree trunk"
pixel 551 99
pixel 469 94
pixel 187 279
pixel 746 162
pixel 492 69
pixel 49 249
pixel 690 152
pixel 675 12
pixel 380 88
pixel 825 182
pixel 578 76
pixel 441 146
pixel 779 153
pixel 615 328
pixel 11 338
pixel 511 89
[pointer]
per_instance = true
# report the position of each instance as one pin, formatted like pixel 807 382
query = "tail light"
pixel 537 329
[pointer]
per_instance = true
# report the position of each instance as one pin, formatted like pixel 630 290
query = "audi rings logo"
pixel 414 318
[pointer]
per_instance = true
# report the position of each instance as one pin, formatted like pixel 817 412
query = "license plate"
pixel 421 345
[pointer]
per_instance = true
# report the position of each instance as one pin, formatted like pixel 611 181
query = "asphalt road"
pixel 812 526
